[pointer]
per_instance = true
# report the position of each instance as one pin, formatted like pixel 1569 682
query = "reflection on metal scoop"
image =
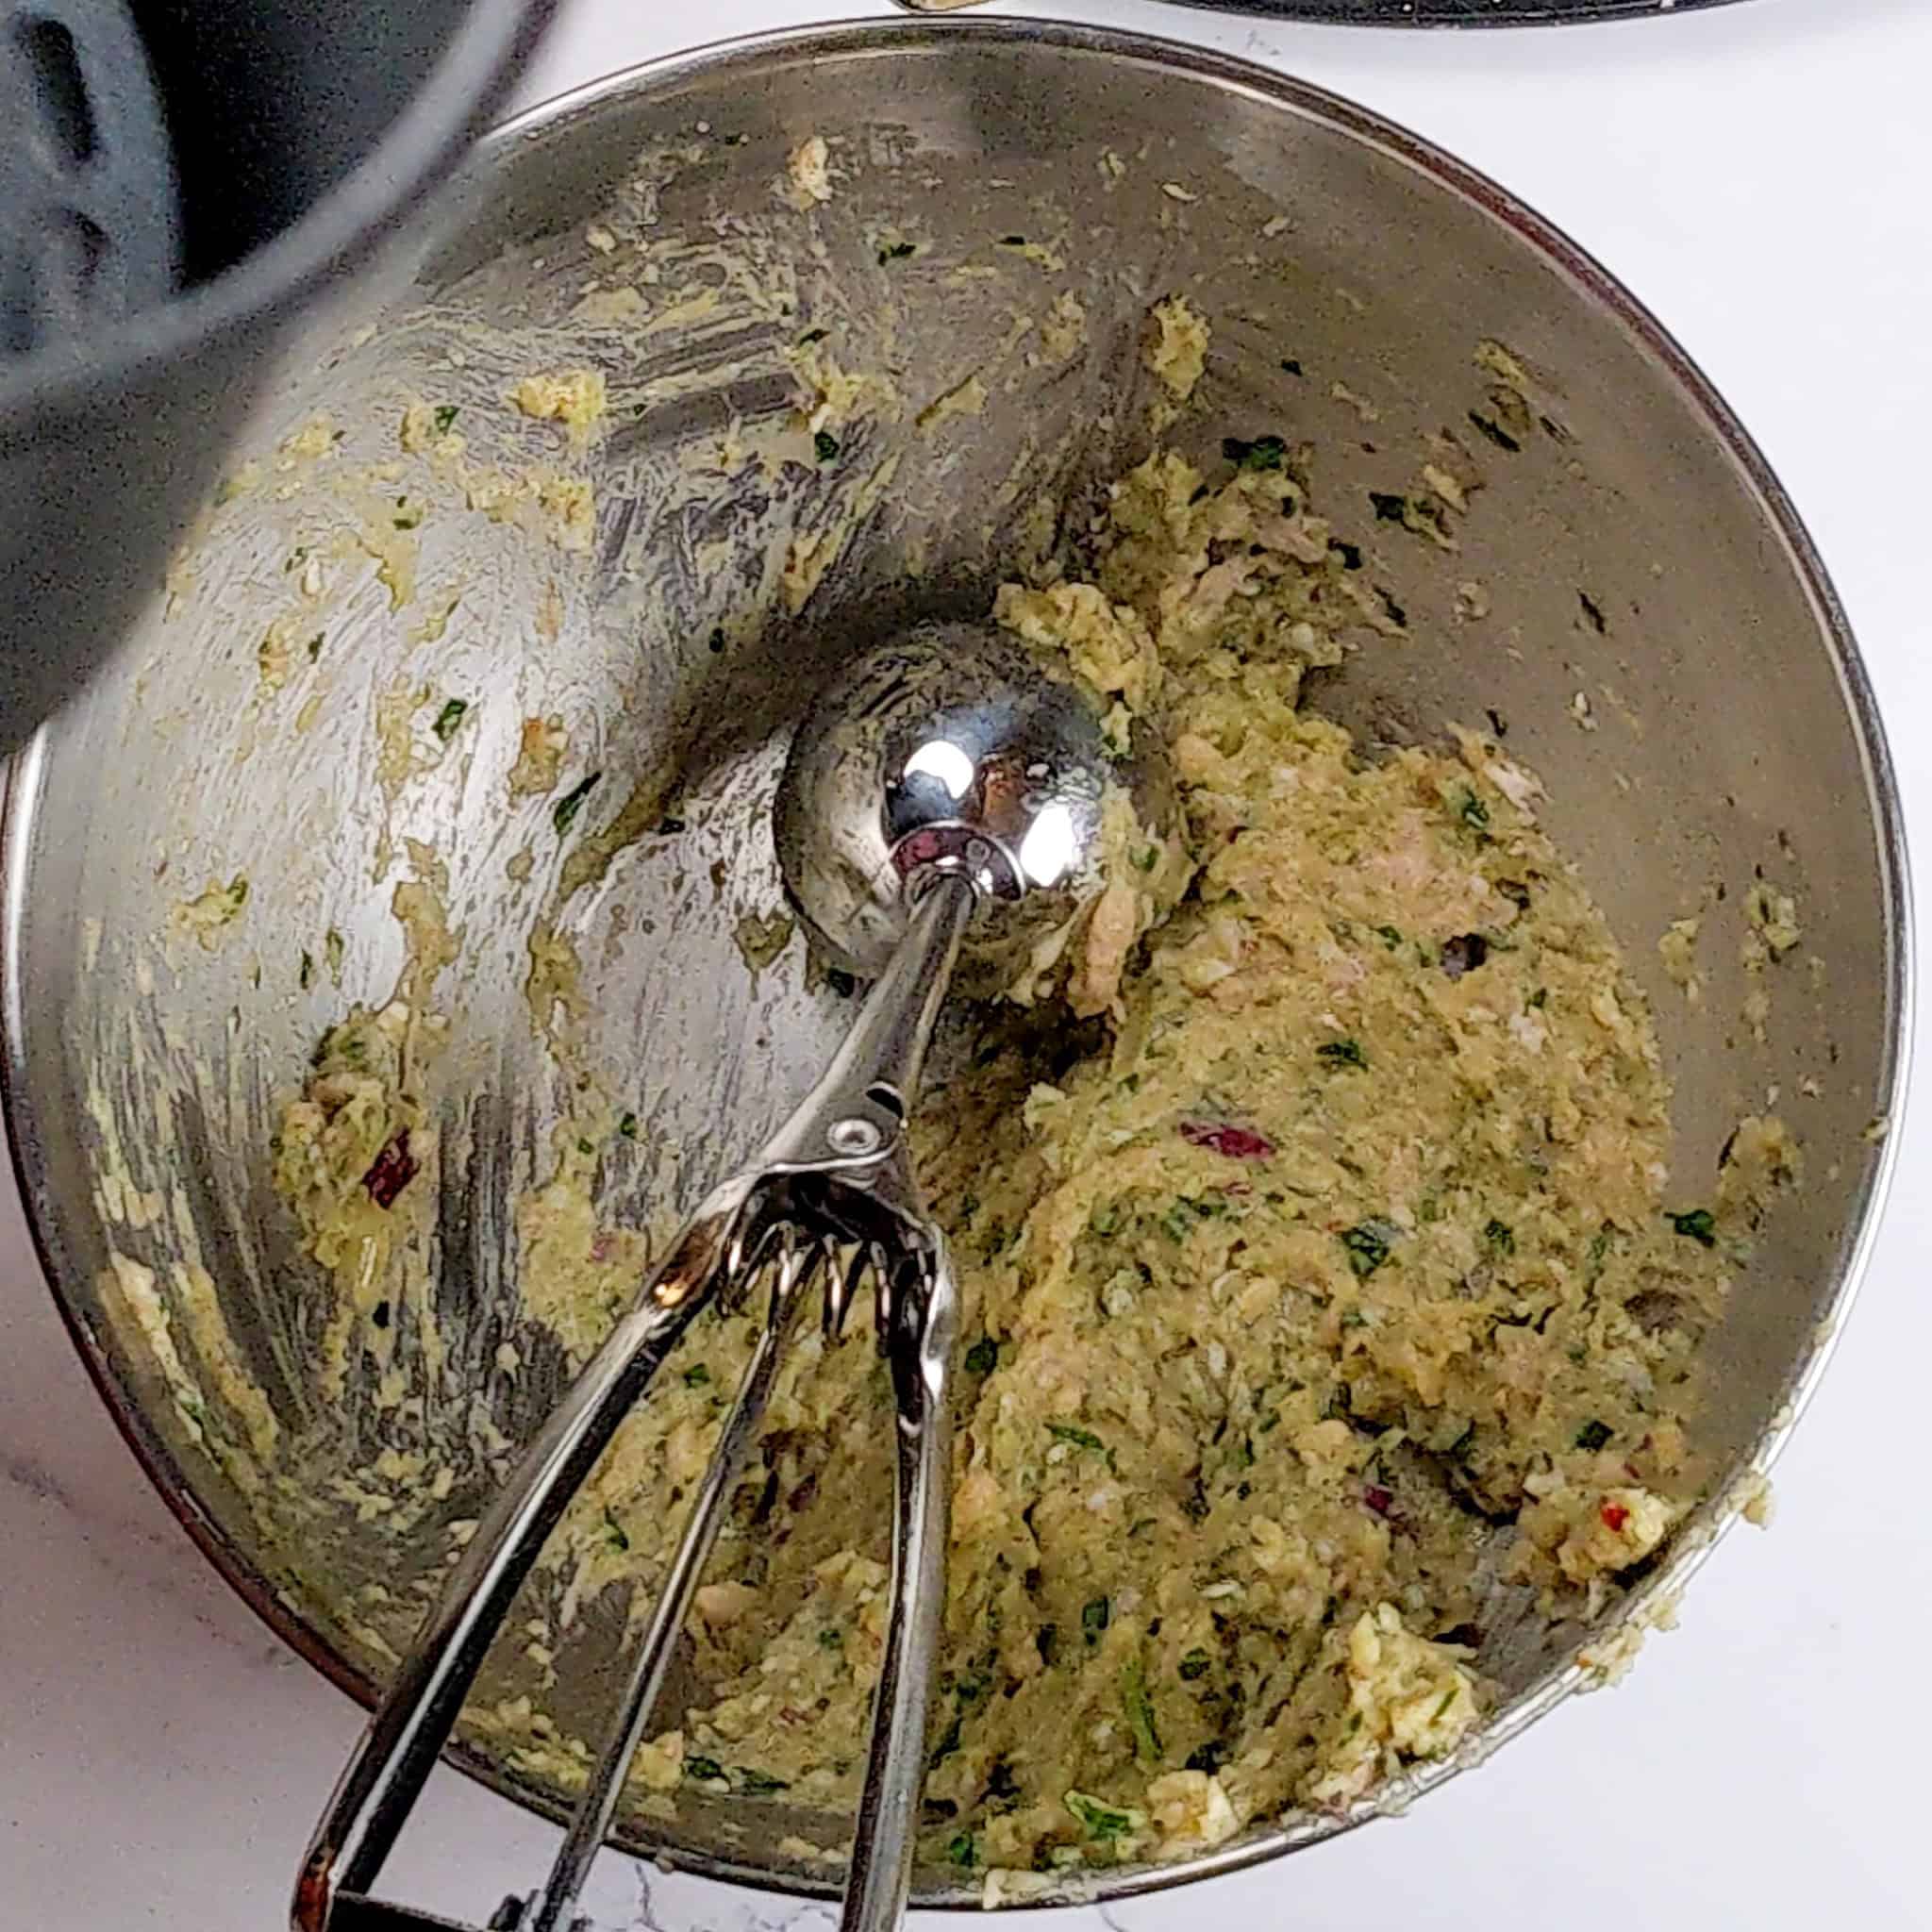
pixel 950 752
pixel 945 800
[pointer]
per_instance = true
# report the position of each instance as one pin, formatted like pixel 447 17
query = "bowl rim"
pixel 841 39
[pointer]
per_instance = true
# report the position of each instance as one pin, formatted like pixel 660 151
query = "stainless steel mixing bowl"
pixel 1631 596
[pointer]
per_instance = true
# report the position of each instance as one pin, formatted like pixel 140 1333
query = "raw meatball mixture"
pixel 1328 1259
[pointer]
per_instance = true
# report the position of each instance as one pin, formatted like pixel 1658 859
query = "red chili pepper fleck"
pixel 1380 1500
pixel 1615 1515
pixel 391 1170
pixel 1237 1143
pixel 919 848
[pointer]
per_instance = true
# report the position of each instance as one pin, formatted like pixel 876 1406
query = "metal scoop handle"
pixel 591 1819
pixel 920 1349
pixel 836 1173
pixel 385 1777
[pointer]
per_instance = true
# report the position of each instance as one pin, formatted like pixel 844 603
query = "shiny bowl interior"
pixel 1629 545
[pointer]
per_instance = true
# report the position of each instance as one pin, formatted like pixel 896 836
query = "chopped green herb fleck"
pixel 948 1743
pixel 1073 1432
pixel 825 446
pixel 896 251
pixel 963 1851
pixel 1539 998
pixel 627 1126
pixel 1697 1225
pixel 1448 1698
pixel 333 948
pixel 445 415
pixel 1474 812
pixel 1353 1318
pixel 1105 1220
pixel 305 974
pixel 408 517
pixel 1103 1822
pixel 1196 1664
pixel 585 1148
pixel 572 803
pixel 697 1375
pixel 1367 1250
pixel 1264 453
pixel 1391 936
pixel 1094 1618
pixel 972 1687
pixel 1146 860
pixel 1501 1237
pixel 757 1784
pixel 1140 1708
pixel 982 1357
pixel 831 1638
pixel 449 718
pixel 1343 1053
pixel 1599 1247
pixel 1592 1435
pixel 704 1771
pixel 614 1533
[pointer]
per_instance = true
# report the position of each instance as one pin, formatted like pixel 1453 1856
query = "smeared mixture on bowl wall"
pixel 1338 1236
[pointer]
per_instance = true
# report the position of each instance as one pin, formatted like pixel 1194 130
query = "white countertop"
pixel 1759 175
